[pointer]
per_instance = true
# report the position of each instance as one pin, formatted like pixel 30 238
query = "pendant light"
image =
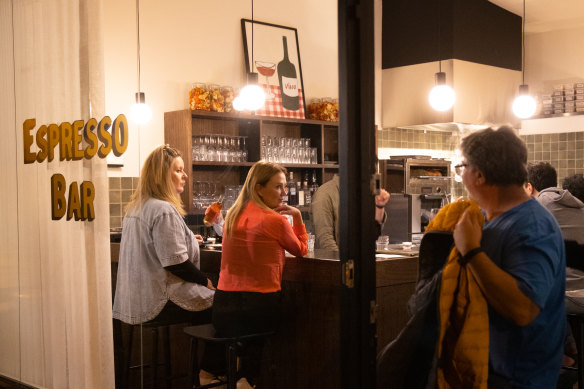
pixel 140 112
pixel 442 96
pixel 252 96
pixel 524 104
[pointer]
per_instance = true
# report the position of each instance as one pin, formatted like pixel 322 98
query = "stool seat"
pixel 207 333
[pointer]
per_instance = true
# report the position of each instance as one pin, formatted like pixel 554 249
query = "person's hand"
pixel 210 284
pixel 199 239
pixel 382 198
pixel 467 232
pixel 285 209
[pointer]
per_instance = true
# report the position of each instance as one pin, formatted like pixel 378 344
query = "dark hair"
pixel 542 175
pixel 575 185
pixel 499 154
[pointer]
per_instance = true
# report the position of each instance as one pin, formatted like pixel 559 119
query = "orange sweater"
pixel 253 257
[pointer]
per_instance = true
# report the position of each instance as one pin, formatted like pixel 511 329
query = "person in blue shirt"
pixel 518 260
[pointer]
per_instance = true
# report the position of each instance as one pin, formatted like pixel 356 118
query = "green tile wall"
pixel 120 190
pixel 564 150
pixel 416 139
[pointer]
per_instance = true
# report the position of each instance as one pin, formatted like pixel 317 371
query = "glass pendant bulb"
pixel 442 96
pixel 252 95
pixel 140 112
pixel 524 105
pixel 238 104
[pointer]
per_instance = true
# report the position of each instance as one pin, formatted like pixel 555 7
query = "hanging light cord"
pixel 439 38
pixel 138 41
pixel 523 46
pixel 252 63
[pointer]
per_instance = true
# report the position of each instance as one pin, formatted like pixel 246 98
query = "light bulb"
pixel 524 105
pixel 238 104
pixel 442 97
pixel 140 112
pixel 253 97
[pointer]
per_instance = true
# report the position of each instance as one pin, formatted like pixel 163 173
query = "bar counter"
pixel 306 350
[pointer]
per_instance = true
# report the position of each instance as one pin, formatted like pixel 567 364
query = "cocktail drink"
pixel 212 212
pixel 266 69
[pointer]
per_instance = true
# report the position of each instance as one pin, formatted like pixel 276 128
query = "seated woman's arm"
pixel 188 272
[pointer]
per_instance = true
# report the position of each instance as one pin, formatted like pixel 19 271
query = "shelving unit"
pixel 181 126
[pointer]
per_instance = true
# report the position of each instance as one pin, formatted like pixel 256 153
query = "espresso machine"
pixel 419 186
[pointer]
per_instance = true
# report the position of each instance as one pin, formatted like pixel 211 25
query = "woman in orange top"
pixel 255 238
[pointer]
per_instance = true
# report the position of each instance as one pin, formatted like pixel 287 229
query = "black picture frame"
pixel 268 48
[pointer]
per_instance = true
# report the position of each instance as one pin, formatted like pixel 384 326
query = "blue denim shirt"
pixel 155 236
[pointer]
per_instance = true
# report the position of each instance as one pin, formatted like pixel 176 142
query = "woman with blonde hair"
pixel 158 271
pixel 256 236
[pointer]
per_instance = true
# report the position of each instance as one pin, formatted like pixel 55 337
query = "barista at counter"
pixel 517 260
pixel 325 213
pixel 158 271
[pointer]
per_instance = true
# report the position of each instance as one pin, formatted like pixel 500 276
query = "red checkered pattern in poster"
pixel 273 106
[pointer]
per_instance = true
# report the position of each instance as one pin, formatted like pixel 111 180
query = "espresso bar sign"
pixel 99 140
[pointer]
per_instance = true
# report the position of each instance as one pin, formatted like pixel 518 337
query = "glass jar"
pixel 199 97
pixel 314 109
pixel 216 98
pixel 227 93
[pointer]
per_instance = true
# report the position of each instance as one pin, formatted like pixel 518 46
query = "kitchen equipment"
pixel 419 186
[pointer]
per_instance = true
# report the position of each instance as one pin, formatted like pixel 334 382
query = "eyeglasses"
pixel 460 168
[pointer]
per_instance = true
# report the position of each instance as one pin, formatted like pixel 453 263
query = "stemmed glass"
pixel 266 69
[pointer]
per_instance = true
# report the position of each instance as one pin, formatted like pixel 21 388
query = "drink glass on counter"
pixel 212 212
pixel 383 243
pixel 310 242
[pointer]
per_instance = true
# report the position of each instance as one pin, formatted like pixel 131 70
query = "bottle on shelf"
pixel 288 81
pixel 301 197
pixel 307 193
pixel 292 191
pixel 314 185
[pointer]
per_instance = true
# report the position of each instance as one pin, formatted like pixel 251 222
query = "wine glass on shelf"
pixel 266 69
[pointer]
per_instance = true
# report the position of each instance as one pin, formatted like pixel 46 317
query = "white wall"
pixel 553 57
pixel 484 94
pixel 185 41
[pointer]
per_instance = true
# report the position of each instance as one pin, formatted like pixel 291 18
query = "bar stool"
pixel 206 332
pixel 155 329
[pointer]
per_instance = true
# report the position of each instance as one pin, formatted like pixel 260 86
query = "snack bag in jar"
pixel 227 93
pixel 313 109
pixel 215 97
pixel 199 97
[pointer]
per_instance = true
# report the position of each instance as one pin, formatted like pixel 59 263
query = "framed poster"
pixel 272 51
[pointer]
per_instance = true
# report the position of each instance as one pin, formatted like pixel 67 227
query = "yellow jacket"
pixel 463 346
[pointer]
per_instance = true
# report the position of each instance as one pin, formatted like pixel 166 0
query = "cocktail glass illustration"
pixel 266 69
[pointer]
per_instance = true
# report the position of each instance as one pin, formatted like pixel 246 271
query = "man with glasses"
pixel 517 259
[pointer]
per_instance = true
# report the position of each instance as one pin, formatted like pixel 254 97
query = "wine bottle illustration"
pixel 288 81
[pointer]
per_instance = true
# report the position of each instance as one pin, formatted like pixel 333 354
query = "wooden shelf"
pixel 249 116
pixel 181 126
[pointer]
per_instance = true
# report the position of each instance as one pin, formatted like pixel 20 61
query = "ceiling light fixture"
pixel 251 97
pixel 524 104
pixel 140 112
pixel 442 96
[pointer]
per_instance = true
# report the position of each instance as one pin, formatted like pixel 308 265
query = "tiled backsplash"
pixel 416 139
pixel 120 190
pixel 565 151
